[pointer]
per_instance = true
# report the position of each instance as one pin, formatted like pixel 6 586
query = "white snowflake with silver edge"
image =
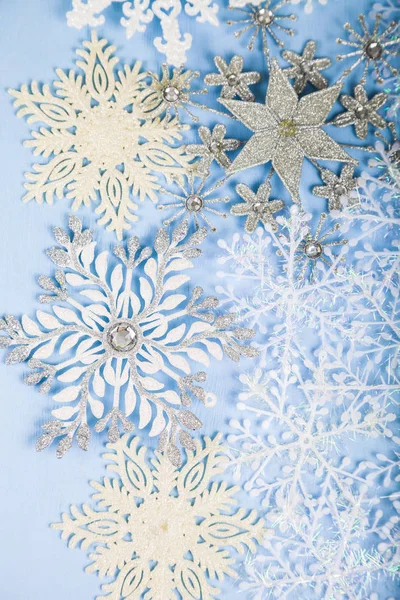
pixel 138 14
pixel 286 130
pixel 116 331
pixel 98 143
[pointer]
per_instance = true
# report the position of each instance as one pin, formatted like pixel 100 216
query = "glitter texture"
pixel 361 111
pixel 214 147
pixel 258 207
pixel 337 189
pixel 233 81
pixel 305 68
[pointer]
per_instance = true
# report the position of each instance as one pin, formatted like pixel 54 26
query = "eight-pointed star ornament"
pixel 287 130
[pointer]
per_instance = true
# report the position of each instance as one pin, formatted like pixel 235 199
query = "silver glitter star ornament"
pixel 372 47
pixel 257 206
pixel 287 130
pixel 305 68
pixel 337 189
pixel 361 111
pixel 233 81
pixel 214 147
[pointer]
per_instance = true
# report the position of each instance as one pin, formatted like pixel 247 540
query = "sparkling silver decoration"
pixel 337 189
pixel 374 47
pixel 361 111
pixel 257 207
pixel 305 68
pixel 312 249
pixel 124 339
pixel 214 147
pixel 170 93
pixel 233 81
pixel 195 201
pixel 287 130
pixel 266 19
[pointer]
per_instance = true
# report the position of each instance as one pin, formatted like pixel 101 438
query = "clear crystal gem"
pixel 313 250
pixel 264 16
pixel 232 79
pixel 123 337
pixel 361 112
pixel 194 203
pixel 374 50
pixel 340 189
pixel 215 147
pixel 171 93
pixel 258 207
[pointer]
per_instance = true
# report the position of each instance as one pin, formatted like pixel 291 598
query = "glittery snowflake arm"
pixel 123 338
pixel 95 122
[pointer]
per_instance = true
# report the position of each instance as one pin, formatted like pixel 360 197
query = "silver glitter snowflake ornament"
pixel 213 148
pixel 361 111
pixel 287 130
pixel 264 18
pixel 372 47
pixel 124 334
pixel 170 93
pixel 232 79
pixel 305 68
pixel 195 202
pixel 257 206
pixel 312 249
pixel 337 189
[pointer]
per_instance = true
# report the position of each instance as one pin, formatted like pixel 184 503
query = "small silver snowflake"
pixel 233 81
pixel 214 147
pixel 305 68
pixel 257 206
pixel 336 188
pixel 312 249
pixel 264 18
pixel 372 47
pixel 171 92
pixel 194 202
pixel 361 111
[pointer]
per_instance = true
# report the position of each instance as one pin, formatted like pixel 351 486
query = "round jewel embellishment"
pixel 264 16
pixel 122 337
pixel 313 250
pixel 194 203
pixel 374 50
pixel 171 94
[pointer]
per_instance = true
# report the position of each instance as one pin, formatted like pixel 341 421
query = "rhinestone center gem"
pixel 122 337
pixel 287 128
pixel 374 50
pixel 340 189
pixel 313 250
pixel 171 94
pixel 361 112
pixel 232 79
pixel 194 203
pixel 264 16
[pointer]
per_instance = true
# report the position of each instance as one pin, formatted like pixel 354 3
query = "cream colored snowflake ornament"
pixel 122 337
pixel 97 139
pixel 160 531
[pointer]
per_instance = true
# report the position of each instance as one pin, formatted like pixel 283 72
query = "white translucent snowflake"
pixel 309 4
pixel 138 14
pixel 122 333
pixel 98 139
pixel 160 531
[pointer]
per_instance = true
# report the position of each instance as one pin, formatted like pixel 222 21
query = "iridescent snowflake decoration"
pixel 232 79
pixel 372 47
pixel 159 531
pixel 305 68
pixel 124 334
pixel 387 160
pixel 213 148
pixel 361 111
pixel 257 207
pixel 170 93
pixel 337 189
pixel 266 19
pixel 313 249
pixel 286 130
pixel 195 202
pixel 97 140
pixel 139 14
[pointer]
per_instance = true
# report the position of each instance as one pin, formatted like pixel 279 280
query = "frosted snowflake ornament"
pixel 129 334
pixel 162 531
pixel 138 14
pixel 97 141
pixel 309 4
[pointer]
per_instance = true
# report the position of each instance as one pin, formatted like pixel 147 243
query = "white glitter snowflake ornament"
pixel 195 203
pixel 265 18
pixel 286 130
pixel 138 14
pixel 372 47
pixel 97 142
pixel 159 531
pixel 126 324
